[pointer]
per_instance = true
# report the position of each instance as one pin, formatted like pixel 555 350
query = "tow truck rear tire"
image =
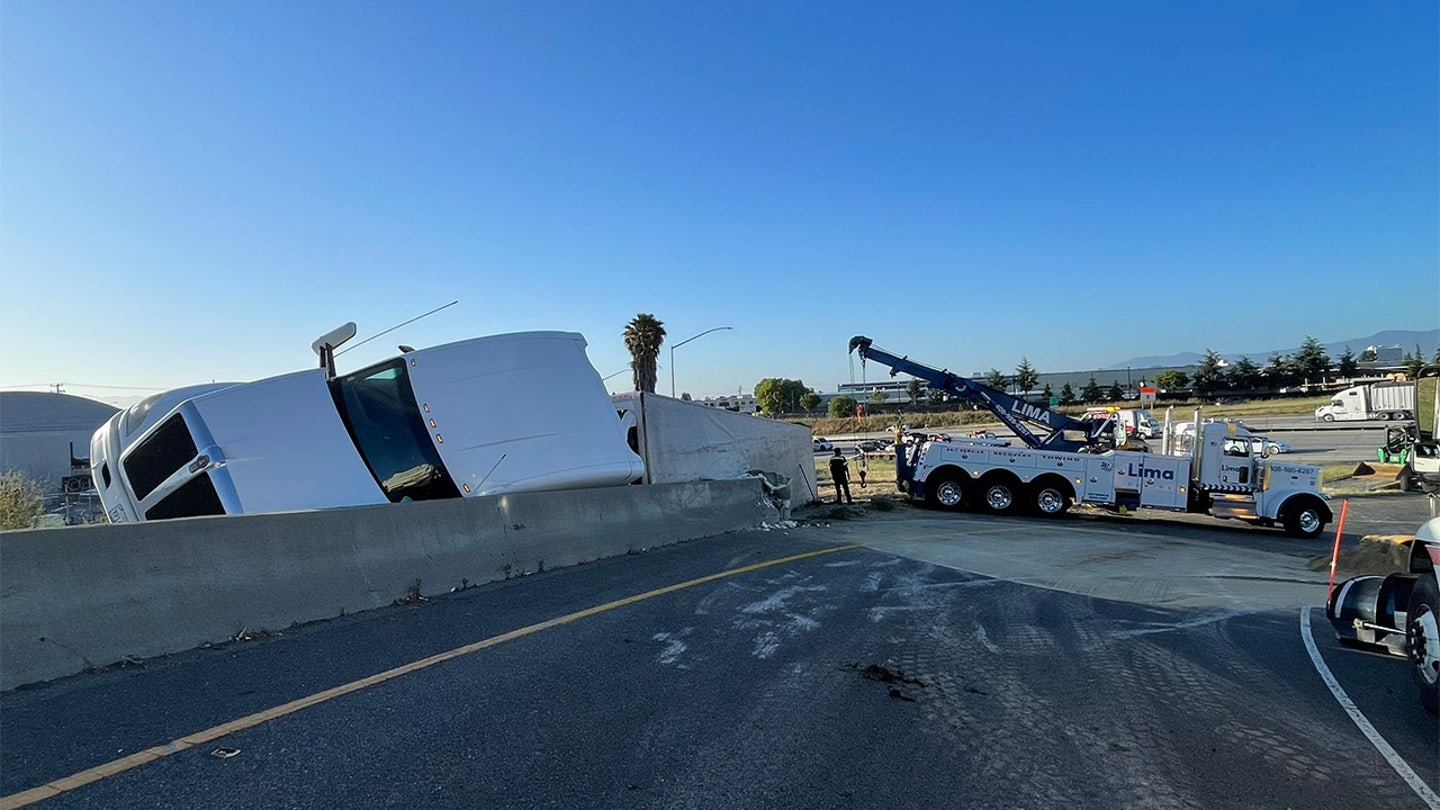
pixel 1000 493
pixel 1304 517
pixel 945 491
pixel 1422 640
pixel 1049 499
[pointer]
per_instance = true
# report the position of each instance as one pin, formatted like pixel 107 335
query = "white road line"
pixel 1401 767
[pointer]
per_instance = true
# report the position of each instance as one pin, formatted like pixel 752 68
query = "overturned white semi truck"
pixel 490 415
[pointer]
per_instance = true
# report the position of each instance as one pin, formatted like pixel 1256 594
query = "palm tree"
pixel 643 336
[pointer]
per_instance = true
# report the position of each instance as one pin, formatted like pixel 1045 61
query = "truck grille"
pixel 195 498
pixel 167 449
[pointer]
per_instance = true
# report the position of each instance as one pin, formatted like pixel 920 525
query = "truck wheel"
pixel 946 492
pixel 1422 640
pixel 999 494
pixel 1304 518
pixel 1407 479
pixel 1401 416
pixel 1049 499
pixel 1329 417
pixel 1383 416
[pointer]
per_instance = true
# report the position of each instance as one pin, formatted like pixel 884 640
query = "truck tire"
pixel 1049 498
pixel 1329 417
pixel 1407 479
pixel 1000 493
pixel 1422 640
pixel 1401 416
pixel 945 491
pixel 1304 517
pixel 1383 416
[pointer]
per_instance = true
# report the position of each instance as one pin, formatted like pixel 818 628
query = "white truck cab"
pixel 504 413
pixel 1137 422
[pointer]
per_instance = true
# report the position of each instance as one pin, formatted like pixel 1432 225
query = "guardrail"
pixel 90 596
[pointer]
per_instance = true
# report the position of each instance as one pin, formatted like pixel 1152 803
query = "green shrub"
pixel 21 500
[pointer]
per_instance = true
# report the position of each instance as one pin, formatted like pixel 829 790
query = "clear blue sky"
pixel 194 191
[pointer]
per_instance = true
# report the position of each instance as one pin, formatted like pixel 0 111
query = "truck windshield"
pixel 378 408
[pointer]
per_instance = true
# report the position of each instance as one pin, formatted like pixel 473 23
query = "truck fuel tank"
pixel 1369 612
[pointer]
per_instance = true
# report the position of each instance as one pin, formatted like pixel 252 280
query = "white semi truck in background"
pixel 1378 400
pixel 491 415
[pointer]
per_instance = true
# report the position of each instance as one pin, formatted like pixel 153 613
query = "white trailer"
pixel 1379 400
pixel 1222 477
pixel 686 441
pixel 491 415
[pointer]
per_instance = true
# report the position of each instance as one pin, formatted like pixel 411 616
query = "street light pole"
pixel 682 343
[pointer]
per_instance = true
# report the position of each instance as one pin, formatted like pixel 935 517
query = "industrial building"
pixel 46 437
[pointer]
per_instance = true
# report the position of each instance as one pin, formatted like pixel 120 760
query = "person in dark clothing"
pixel 840 471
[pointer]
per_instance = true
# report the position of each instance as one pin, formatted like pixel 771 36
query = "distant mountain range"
pixel 1405 339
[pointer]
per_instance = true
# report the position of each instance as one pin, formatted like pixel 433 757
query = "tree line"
pixel 1308 365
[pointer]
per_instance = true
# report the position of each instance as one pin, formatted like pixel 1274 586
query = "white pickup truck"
pixel 505 413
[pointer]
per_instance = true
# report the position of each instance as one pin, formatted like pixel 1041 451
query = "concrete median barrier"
pixel 87 597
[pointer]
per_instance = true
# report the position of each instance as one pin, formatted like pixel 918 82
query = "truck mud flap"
pixel 1369 612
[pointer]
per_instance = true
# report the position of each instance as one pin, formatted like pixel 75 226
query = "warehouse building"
pixel 46 437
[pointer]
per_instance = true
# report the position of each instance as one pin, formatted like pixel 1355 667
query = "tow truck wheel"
pixel 1422 640
pixel 999 493
pixel 1304 518
pixel 947 493
pixel 1329 418
pixel 1049 499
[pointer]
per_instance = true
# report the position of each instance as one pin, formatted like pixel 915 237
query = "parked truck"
pixel 1136 421
pixel 490 415
pixel 1221 476
pixel 1379 400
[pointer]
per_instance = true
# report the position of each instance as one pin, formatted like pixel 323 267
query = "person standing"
pixel 840 472
pixel 864 468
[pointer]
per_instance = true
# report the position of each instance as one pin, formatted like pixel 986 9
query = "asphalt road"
pixel 887 673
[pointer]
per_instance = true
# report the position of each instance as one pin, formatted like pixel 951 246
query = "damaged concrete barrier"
pixel 90 596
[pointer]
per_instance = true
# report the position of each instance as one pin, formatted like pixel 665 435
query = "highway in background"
pixel 945 660
pixel 1312 442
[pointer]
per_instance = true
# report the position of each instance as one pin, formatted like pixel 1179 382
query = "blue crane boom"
pixel 1012 411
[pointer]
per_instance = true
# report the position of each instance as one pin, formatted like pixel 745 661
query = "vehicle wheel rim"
pixel 999 498
pixel 1309 521
pixel 948 494
pixel 1424 646
pixel 1049 501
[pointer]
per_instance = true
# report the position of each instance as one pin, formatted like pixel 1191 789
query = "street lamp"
pixel 682 343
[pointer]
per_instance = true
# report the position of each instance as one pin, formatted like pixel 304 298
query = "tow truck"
pixel 1086 462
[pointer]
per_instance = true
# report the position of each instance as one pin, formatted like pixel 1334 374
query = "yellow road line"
pixel 139 758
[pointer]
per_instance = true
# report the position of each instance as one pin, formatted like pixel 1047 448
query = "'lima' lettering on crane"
pixel 1031 412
